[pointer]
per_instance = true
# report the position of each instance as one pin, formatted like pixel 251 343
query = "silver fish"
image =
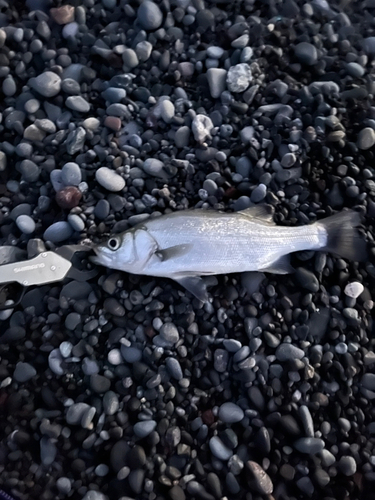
pixel 189 244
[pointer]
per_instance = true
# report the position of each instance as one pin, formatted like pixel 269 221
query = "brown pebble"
pixel 63 14
pixel 68 197
pixel 113 122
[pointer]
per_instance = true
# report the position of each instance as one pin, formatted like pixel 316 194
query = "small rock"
pixel 218 449
pixel 109 179
pixel 230 413
pixel 354 289
pixel 25 224
pixel 216 78
pixel 58 232
pixel 77 103
pixel 23 372
pixel 68 197
pixel 347 465
pixel 144 428
pixel 71 174
pixel 239 77
pixel 366 138
pixel 307 279
pixel 309 445
pixel 306 53
pixel 261 480
pixel 62 15
pixel 149 16
pixel 47 84
pixel 201 128
pixel 288 352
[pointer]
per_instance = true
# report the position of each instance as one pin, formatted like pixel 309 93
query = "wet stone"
pixel 144 428
pixel 261 480
pixel 288 352
pixel 218 449
pixel 47 84
pixel 25 224
pixel 24 372
pixel 306 53
pixel 108 179
pixel 169 333
pixel 347 465
pixel 309 445
pixel 307 279
pixel 58 232
pixel 99 383
pixel 366 138
pixel 230 413
pixel 68 197
pixel 149 16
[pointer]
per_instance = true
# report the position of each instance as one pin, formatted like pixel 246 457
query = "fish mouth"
pixel 102 258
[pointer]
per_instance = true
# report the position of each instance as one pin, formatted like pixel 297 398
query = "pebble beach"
pixel 126 387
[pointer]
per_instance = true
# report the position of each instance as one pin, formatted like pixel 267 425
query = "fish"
pixel 188 245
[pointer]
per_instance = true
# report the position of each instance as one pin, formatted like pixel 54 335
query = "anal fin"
pixel 195 285
pixel 280 266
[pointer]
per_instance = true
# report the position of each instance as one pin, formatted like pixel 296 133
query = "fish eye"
pixel 114 243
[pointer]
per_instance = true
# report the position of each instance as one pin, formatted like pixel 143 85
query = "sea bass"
pixel 189 244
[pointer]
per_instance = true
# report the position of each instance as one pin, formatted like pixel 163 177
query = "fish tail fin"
pixel 343 238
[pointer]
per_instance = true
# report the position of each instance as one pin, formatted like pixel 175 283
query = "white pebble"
pixel 353 290
pixel 201 128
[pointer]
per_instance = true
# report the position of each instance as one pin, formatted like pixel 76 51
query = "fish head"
pixel 118 252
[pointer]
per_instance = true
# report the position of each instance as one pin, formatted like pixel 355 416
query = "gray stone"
pixel 306 53
pixel 47 84
pixel 109 179
pixel 58 231
pixel 144 428
pixel 23 372
pixel 77 103
pixel 288 352
pixel 261 480
pixel 25 224
pixel 309 445
pixel 366 138
pixel 218 449
pixel 216 78
pixel 75 413
pixel 230 413
pixel 149 16
pixel 71 174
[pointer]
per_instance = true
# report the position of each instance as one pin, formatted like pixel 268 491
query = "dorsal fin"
pixel 264 212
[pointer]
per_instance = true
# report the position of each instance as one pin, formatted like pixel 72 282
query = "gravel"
pixel 126 386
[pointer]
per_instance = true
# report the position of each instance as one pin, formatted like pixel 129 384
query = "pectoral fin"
pixel 195 285
pixel 173 252
pixel 279 266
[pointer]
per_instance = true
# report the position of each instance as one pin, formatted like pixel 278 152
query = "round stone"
pixel 149 16
pixel 9 86
pixel 354 289
pixel 306 53
pixel 57 232
pixel 230 413
pixel 288 352
pixel 68 197
pixel 48 84
pixel 347 465
pixel 366 138
pixel 25 224
pixel 109 179
pixel 309 445
pixel 71 174
pixel 154 167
